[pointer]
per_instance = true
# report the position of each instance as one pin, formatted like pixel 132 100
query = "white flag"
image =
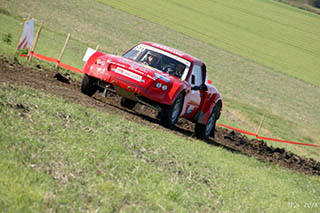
pixel 26 39
pixel 88 54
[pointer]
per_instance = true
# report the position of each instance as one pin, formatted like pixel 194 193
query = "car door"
pixel 193 96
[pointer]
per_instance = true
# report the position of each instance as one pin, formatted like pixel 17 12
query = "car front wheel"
pixel 88 86
pixel 170 114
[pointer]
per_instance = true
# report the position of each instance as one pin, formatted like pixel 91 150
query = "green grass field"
pixel 270 33
pixel 60 156
pixel 251 82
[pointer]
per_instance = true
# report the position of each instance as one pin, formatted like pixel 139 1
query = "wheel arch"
pixel 214 102
pixel 174 93
pixel 219 108
pixel 91 60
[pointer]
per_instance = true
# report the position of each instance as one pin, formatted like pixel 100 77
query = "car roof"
pixel 173 51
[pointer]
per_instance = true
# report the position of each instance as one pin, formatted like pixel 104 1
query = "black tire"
pixel 88 86
pixel 170 114
pixel 127 103
pixel 204 131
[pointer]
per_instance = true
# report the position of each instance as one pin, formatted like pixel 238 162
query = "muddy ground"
pixel 48 81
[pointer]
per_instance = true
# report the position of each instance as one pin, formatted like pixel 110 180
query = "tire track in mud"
pixel 48 81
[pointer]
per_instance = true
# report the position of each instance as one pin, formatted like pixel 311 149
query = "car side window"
pixel 196 76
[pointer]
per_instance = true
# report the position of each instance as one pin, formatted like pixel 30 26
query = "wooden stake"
pixel 35 42
pixel 97 47
pixel 63 49
pixel 261 122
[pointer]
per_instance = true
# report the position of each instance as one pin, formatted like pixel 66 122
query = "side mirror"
pixel 195 88
pixel 203 87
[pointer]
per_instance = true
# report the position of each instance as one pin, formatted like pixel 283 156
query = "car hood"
pixel 139 68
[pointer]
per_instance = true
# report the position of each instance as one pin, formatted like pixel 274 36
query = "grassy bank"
pixel 249 89
pixel 56 155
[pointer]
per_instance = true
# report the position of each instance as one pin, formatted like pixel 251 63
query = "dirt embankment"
pixel 49 81
pixel 309 5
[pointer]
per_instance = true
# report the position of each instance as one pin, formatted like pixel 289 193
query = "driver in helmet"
pixel 179 70
pixel 150 60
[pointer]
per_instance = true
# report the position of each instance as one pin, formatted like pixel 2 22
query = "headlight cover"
pixel 164 87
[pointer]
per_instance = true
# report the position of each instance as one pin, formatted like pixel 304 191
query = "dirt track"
pixel 46 80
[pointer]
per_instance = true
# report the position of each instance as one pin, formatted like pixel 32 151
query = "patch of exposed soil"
pixel 49 81
pixel 309 5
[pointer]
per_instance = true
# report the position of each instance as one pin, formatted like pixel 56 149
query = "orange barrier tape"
pixel 238 130
pixel 53 60
pixel 65 66
pixel 265 138
pixel 45 58
pixel 284 141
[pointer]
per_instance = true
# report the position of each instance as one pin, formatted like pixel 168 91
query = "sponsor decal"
pixel 169 54
pixel 132 65
pixel 169 49
pixel 140 48
pixel 101 70
pixel 158 76
pixel 128 74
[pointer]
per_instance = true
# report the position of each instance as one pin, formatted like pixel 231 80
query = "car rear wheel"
pixel 204 131
pixel 127 103
pixel 88 86
pixel 170 114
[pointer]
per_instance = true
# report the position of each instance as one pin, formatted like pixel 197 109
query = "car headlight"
pixel 164 87
pixel 158 85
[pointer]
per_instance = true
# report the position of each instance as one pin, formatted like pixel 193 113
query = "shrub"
pixel 7 38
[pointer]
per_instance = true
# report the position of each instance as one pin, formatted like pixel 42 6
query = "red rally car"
pixel 168 80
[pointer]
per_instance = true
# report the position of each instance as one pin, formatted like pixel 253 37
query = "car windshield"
pixel 159 59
